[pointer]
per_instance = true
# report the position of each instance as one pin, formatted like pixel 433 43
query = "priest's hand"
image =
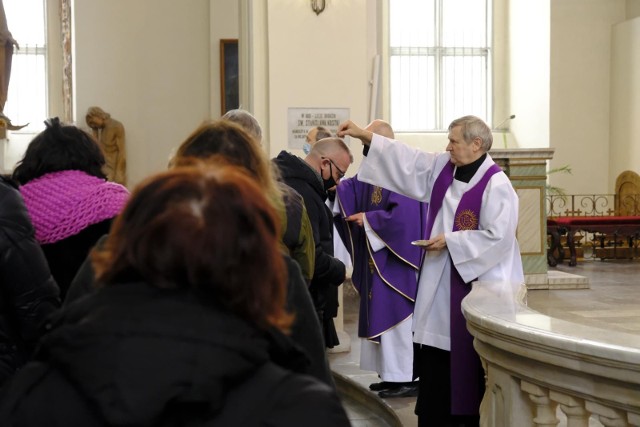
pixel 438 243
pixel 357 218
pixel 349 128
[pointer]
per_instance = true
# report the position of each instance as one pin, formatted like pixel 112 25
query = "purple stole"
pixel 466 370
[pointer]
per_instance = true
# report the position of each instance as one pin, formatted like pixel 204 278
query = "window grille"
pixel 439 62
pixel 27 97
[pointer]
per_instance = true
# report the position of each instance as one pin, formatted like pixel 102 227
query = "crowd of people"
pixel 213 287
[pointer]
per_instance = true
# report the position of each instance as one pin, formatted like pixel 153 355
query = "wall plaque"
pixel 300 120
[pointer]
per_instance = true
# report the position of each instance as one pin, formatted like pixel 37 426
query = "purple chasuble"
pixel 386 279
pixel 465 363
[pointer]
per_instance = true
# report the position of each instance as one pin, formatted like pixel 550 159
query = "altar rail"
pixel 534 364
pixel 592 205
pixel 618 236
pixel 610 228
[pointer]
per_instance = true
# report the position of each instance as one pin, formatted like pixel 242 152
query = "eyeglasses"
pixel 340 172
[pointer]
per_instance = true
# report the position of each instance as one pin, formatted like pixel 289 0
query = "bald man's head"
pixel 380 127
pixel 330 146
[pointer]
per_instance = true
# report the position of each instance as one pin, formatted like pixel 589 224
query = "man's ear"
pixel 477 143
pixel 321 164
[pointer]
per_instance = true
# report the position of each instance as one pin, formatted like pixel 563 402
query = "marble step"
pixel 363 407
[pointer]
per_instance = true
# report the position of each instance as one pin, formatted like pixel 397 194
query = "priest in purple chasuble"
pixel 471 235
pixel 377 227
pixel 384 274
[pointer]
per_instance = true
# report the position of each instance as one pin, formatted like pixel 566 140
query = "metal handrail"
pixel 592 205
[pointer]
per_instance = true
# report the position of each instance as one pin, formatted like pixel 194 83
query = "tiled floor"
pixel 348 364
pixel 613 301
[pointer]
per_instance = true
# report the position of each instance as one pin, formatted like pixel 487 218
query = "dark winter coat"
pixel 329 271
pixel 28 293
pixel 136 355
pixel 67 255
pixel 305 330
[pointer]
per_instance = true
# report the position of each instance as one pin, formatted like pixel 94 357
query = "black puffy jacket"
pixel 329 272
pixel 28 293
pixel 135 355
pixel 305 330
pixel 299 176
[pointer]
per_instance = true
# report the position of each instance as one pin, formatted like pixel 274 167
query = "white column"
pixel 573 408
pixel 545 407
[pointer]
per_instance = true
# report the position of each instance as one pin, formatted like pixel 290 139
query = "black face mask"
pixel 328 183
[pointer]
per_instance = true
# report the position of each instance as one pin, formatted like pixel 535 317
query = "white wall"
pixel 633 8
pixel 317 61
pixel 254 94
pixel 580 92
pixel 147 62
pixel 529 30
pixel 501 66
pixel 625 97
pixel 54 60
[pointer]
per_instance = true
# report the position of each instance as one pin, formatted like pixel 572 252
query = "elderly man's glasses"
pixel 340 172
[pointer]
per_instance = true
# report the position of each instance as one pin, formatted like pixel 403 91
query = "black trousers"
pixel 433 407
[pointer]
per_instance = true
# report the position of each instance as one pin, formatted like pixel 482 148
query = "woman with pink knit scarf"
pixel 70 202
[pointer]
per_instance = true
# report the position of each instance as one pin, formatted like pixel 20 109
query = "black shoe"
pixel 402 391
pixel 384 385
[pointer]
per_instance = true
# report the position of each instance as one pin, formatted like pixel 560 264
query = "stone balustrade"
pixel 542 371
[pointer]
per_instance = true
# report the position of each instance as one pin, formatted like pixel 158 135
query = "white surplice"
pixel 392 357
pixel 490 253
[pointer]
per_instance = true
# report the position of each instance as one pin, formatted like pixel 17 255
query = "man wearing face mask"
pixel 321 169
pixel 314 135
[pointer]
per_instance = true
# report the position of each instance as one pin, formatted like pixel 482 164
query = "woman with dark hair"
pixel 187 327
pixel 68 198
pixel 229 143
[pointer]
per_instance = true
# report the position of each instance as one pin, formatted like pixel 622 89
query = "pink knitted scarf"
pixel 62 204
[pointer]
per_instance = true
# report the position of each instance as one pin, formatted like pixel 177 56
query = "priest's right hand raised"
pixel 349 128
